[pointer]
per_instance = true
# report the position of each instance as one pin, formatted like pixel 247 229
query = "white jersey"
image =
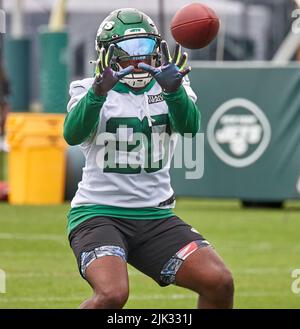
pixel 121 115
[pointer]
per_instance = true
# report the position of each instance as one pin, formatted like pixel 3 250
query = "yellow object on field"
pixel 36 160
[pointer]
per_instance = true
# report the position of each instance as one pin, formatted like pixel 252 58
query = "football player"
pixel 123 209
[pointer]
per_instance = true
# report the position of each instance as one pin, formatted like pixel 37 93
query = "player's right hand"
pixel 106 77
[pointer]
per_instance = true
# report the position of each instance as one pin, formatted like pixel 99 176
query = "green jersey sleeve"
pixel 184 114
pixel 83 118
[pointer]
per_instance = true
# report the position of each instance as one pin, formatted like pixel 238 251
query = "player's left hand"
pixel 106 77
pixel 172 71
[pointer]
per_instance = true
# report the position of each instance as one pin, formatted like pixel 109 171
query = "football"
pixel 195 26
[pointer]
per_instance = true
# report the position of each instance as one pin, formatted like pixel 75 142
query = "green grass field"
pixel 261 247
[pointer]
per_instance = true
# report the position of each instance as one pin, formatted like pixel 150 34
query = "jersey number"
pixel 137 143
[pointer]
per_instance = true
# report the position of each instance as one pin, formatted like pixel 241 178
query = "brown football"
pixel 195 26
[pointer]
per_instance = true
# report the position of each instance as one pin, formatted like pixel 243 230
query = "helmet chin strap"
pixel 137 80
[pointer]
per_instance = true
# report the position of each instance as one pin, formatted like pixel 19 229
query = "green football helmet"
pixel 136 40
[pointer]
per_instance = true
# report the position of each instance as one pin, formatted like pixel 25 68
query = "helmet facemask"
pixel 132 51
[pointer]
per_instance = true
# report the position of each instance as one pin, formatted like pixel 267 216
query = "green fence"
pixel 251 120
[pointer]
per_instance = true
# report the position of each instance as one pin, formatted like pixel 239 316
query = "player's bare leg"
pixel 205 273
pixel 108 277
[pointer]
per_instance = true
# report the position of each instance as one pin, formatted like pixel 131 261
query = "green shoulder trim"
pixel 80 214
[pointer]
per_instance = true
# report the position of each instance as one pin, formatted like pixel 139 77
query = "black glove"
pixel 171 73
pixel 106 78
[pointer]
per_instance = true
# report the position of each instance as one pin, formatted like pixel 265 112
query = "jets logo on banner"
pixel 239 132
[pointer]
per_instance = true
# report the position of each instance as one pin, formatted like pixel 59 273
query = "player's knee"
pixel 226 284
pixel 221 285
pixel 217 284
pixel 115 297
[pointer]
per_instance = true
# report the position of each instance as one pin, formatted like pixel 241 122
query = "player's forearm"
pixel 83 119
pixel 183 112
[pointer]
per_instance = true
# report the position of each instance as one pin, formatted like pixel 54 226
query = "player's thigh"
pixel 100 248
pixel 108 276
pixel 165 245
pixel 204 272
